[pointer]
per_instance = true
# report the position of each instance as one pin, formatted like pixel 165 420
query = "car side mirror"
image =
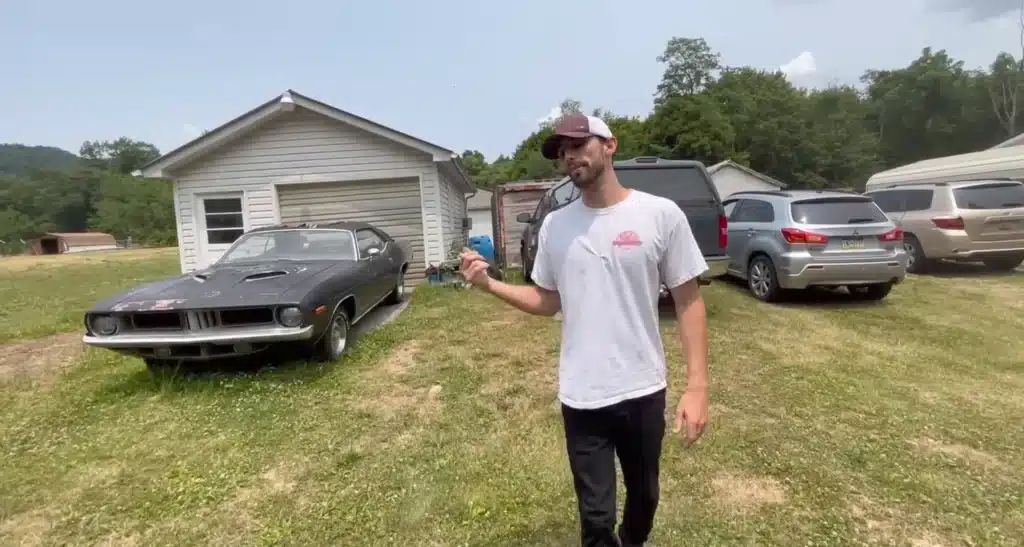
pixel 373 251
pixel 525 218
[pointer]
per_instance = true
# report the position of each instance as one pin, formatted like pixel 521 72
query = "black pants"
pixel 633 429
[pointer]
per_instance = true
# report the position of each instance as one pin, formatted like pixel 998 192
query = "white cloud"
pixel 800 67
pixel 552 115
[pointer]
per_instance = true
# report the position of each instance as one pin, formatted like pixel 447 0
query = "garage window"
pixel 224 222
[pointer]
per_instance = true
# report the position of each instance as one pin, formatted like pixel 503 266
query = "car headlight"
pixel 104 325
pixel 290 316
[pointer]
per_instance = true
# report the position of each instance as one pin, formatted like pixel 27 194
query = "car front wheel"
pixel 334 343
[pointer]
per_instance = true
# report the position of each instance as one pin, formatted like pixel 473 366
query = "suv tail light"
pixel 723 232
pixel 895 234
pixel 794 235
pixel 949 223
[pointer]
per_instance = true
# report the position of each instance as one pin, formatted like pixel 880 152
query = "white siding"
pixel 298 146
pixel 453 210
pixel 729 180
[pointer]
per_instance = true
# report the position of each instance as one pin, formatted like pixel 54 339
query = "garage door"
pixel 391 205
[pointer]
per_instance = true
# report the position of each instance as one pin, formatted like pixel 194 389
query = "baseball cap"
pixel 575 126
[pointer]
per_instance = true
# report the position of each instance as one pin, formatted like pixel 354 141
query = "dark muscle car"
pixel 302 286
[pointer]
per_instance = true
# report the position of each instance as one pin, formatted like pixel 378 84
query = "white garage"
pixel 479 207
pixel 294 159
pixel 730 177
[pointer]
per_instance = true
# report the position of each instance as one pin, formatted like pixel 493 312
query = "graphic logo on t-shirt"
pixel 627 239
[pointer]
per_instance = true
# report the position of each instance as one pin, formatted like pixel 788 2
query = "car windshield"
pixel 998 195
pixel 292 245
pixel 838 210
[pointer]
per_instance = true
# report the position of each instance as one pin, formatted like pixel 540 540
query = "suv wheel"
pixel 1003 263
pixel 762 279
pixel 917 262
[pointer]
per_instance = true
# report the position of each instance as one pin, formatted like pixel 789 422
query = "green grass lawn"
pixel 48 294
pixel 832 424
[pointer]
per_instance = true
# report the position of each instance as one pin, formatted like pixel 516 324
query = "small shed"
pixel 730 177
pixel 478 208
pixel 53 243
pixel 508 200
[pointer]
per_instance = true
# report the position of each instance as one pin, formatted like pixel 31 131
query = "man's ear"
pixel 611 146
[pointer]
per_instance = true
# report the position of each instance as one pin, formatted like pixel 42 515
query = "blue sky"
pixel 463 74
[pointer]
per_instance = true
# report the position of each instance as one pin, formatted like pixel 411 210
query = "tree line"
pixel 832 137
pixel 45 189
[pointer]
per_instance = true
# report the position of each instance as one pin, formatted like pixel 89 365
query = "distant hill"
pixel 18 159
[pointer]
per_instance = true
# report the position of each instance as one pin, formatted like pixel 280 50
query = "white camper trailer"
pixel 995 163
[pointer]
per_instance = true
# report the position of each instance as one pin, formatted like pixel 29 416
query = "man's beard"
pixel 589 176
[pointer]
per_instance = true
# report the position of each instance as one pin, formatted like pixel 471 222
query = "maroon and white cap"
pixel 576 126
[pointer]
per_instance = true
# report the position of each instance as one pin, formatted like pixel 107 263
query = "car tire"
pixel 336 339
pixel 917 262
pixel 762 280
pixel 527 267
pixel 874 291
pixel 1003 263
pixel 397 294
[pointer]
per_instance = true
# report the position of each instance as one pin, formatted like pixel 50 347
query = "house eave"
pixel 165 165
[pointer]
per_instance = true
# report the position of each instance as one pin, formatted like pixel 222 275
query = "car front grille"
pixel 199 320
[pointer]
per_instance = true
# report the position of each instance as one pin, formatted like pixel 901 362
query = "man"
pixel 601 261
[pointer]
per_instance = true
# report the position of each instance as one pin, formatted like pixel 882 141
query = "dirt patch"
pixel 26 529
pixel 885 526
pixel 748 493
pixel 42 358
pixel 402 359
pixel 423 404
pixel 957 451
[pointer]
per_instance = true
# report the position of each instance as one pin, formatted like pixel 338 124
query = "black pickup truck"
pixel 685 182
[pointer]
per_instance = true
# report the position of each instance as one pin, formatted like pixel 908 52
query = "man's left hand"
pixel 692 414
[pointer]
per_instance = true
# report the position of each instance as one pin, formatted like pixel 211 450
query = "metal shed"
pixel 508 200
pixel 52 243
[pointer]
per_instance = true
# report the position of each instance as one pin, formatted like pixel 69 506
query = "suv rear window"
pixel 997 195
pixel 838 210
pixel 675 183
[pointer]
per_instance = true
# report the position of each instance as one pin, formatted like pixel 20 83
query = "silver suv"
pixel 783 240
pixel 964 221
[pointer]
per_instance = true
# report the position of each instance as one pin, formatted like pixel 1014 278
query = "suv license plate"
pixel 853 243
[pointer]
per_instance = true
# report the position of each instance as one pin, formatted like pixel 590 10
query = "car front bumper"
pixel 204 344
pixel 800 274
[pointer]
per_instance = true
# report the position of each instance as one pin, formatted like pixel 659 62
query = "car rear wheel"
pixel 1003 263
pixel 917 262
pixel 335 340
pixel 762 280
pixel 398 293
pixel 875 291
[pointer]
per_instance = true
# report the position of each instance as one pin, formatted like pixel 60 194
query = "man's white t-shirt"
pixel 608 266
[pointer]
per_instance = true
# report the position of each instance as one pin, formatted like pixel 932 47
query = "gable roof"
pixel 287 102
pixel 729 163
